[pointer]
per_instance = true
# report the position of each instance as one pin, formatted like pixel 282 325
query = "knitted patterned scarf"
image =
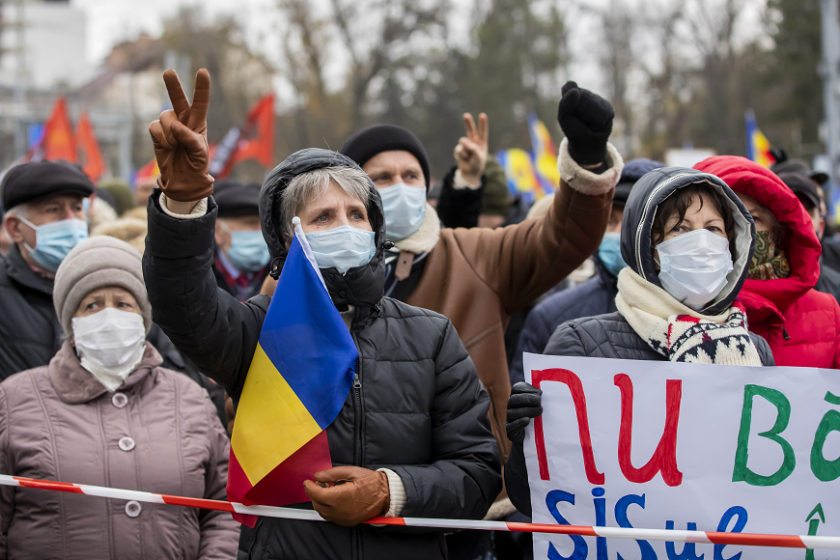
pixel 678 332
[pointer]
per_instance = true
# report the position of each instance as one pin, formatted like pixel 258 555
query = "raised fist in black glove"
pixel 586 119
pixel 524 404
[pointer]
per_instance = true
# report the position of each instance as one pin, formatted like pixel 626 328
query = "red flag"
pixel 255 140
pixel 58 142
pixel 86 140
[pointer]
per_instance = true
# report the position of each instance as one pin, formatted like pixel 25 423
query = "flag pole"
pixel 307 250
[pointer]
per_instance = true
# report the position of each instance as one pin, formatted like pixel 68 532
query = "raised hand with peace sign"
pixel 471 151
pixel 180 141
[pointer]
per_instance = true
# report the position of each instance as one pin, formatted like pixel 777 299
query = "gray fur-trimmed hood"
pixel 651 191
pixel 361 286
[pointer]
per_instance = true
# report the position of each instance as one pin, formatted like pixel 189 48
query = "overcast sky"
pixel 112 21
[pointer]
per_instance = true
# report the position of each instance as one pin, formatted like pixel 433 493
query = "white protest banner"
pixel 662 445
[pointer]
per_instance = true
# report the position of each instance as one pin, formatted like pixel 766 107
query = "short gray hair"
pixel 312 184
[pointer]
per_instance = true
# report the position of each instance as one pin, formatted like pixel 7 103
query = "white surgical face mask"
pixel 405 210
pixel 343 248
pixel 693 267
pixel 110 344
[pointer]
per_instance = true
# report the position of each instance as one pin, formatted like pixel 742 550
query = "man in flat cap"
pixel 45 219
pixel 241 263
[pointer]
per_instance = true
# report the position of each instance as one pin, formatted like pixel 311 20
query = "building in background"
pixel 43 44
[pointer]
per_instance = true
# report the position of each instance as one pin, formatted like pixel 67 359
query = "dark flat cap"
pixel 379 138
pixel 801 167
pixel 32 182
pixel 235 199
pixel 801 184
pixel 632 172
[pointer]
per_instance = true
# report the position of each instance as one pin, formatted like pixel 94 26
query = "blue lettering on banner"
pixel 621 518
pixel 689 552
pixel 739 526
pixel 600 521
pixel 581 549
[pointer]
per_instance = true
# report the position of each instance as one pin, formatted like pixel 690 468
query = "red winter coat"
pixel 800 324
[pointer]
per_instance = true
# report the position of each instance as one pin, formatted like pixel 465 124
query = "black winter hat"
pixel 633 170
pixel 799 166
pixel 31 182
pixel 802 184
pixel 368 142
pixel 235 199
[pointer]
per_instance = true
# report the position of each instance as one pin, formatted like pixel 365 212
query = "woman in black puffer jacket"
pixel 416 418
pixel 688 242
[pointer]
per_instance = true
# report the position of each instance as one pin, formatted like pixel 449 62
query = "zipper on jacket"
pixel 357 400
pixel 254 537
pixel 357 394
pixel 785 334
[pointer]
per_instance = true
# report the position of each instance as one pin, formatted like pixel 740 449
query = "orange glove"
pixel 363 494
pixel 180 141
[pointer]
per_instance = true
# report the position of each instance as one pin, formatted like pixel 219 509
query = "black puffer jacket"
pixel 30 333
pixel 610 335
pixel 417 408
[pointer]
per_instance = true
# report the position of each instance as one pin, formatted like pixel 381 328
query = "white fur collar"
pixel 583 180
pixel 424 239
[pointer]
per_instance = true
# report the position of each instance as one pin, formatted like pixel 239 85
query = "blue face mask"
pixel 610 253
pixel 54 240
pixel 248 250
pixel 343 248
pixel 405 209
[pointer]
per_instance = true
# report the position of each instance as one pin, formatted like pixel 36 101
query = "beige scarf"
pixel 680 333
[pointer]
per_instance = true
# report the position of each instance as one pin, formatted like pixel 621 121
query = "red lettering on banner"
pixel 573 382
pixel 664 459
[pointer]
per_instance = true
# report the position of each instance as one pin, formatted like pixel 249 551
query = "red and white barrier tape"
pixel 742 539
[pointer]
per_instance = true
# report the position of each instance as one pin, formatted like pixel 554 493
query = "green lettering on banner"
pixel 822 468
pixel 742 472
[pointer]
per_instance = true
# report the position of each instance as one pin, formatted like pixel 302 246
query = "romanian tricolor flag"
pixel 522 179
pixel 545 155
pixel 758 146
pixel 299 379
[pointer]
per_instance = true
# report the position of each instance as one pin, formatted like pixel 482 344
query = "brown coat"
pixel 159 432
pixel 478 277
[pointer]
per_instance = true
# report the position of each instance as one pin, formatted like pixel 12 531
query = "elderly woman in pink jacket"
pixel 104 412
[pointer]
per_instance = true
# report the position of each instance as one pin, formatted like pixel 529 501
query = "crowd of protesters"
pixel 129 319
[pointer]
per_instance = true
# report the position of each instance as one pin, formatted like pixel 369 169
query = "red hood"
pixel 767 300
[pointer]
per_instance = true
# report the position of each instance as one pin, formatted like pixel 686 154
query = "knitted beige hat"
pixel 98 262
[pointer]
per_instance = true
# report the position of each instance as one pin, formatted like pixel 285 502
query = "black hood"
pixel 361 286
pixel 648 193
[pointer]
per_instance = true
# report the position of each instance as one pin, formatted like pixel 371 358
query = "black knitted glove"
pixel 524 404
pixel 586 119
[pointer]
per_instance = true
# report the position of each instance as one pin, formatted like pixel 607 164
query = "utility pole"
pixel 829 67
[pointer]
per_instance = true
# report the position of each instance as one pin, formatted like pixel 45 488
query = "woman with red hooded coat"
pixel 801 324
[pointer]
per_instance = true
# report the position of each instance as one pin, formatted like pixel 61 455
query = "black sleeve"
pixel 464 477
pixel 516 480
pixel 565 342
pixel 208 325
pixel 459 207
